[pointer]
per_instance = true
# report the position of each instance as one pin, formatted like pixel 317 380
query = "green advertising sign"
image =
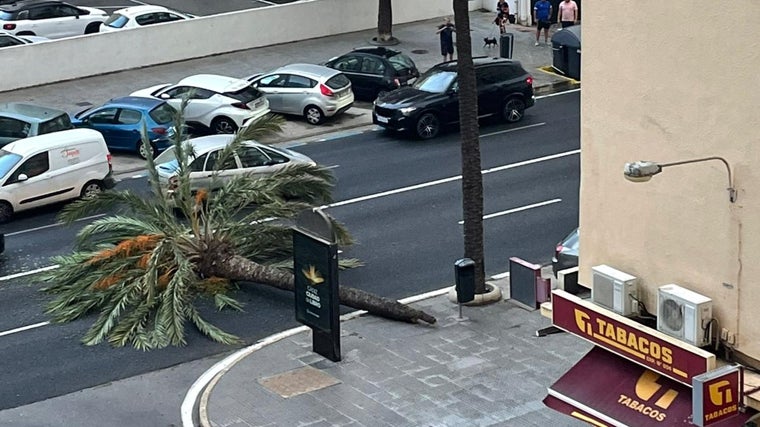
pixel 315 264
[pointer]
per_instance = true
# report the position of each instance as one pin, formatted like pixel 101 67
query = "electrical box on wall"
pixel 683 314
pixel 614 290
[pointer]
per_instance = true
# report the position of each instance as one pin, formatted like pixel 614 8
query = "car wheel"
pixel 514 110
pixel 6 212
pixel 428 126
pixel 91 189
pixel 93 27
pixel 313 115
pixel 223 125
pixel 144 151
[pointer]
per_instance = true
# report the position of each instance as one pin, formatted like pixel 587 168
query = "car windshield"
pixel 116 21
pixel 163 113
pixel 6 16
pixel 436 81
pixel 167 161
pixel 246 95
pixel 401 62
pixel 7 161
pixel 13 128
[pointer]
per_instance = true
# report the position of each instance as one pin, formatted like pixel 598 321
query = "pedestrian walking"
pixel 568 13
pixel 542 13
pixel 446 31
pixel 502 17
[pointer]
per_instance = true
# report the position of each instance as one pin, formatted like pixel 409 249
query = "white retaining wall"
pixel 82 56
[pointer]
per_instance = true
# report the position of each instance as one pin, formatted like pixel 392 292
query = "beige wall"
pixel 667 81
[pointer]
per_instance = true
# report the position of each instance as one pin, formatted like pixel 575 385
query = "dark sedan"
pixel 121 121
pixel 375 70
pixel 566 253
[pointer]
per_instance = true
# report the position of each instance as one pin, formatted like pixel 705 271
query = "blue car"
pixel 121 122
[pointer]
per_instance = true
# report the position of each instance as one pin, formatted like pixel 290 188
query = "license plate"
pixel 382 119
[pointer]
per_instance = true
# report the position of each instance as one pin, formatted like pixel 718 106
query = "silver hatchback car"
pixel 312 91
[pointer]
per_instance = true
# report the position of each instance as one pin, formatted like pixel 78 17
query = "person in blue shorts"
pixel 542 14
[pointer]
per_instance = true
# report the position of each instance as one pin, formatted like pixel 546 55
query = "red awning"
pixel 607 390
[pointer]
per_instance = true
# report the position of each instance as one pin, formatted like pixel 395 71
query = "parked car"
pixel 8 40
pixel 312 91
pixel 374 70
pixel 121 122
pixel 140 16
pixel 252 158
pixel 19 120
pixel 52 168
pixel 504 89
pixel 566 253
pixel 50 18
pixel 222 104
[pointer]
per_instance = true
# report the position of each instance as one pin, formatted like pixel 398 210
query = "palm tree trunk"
pixel 472 179
pixel 239 268
pixel 385 23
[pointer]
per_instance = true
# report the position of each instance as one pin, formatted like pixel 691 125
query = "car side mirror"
pixel 22 177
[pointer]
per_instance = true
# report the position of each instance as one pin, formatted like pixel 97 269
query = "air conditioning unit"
pixel 614 290
pixel 683 314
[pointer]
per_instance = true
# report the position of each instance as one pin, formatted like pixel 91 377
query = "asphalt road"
pixel 196 7
pixel 408 239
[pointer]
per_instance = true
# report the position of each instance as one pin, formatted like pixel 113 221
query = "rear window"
pixel 116 21
pixel 13 128
pixel 163 113
pixel 58 123
pixel 6 16
pixel 401 62
pixel 338 81
pixel 246 95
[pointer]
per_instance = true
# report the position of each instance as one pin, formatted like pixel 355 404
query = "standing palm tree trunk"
pixel 472 179
pixel 385 24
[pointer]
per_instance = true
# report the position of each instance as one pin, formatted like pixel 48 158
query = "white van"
pixel 52 168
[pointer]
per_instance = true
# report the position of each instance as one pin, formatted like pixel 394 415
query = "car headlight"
pixel 407 110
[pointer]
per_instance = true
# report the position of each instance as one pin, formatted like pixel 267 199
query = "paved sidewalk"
pixel 488 370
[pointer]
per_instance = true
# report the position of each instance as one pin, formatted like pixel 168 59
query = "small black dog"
pixel 489 41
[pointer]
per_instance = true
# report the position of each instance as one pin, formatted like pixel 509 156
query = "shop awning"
pixel 604 389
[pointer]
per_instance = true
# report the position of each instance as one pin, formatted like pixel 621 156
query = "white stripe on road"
pixel 512 130
pixel 558 93
pixel 23 328
pixel 520 209
pixel 450 179
pixel 57 224
pixel 29 273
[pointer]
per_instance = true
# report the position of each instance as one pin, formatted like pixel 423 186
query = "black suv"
pixel 375 70
pixel 504 89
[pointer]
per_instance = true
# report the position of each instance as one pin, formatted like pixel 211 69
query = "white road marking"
pixel 57 224
pixel 29 273
pixel 23 328
pixel 558 93
pixel 512 130
pixel 449 179
pixel 520 209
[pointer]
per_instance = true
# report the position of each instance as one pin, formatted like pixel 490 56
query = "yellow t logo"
pixel 647 386
pixel 716 395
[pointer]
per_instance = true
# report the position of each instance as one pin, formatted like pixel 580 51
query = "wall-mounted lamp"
pixel 643 171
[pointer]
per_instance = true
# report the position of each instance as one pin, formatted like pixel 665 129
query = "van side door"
pixel 32 185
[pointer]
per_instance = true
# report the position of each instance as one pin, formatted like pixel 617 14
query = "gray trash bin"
pixel 506 45
pixel 566 50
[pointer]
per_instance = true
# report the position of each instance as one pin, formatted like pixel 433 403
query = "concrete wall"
pixel 669 82
pixel 108 52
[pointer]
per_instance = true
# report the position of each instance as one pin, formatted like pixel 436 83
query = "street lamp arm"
pixel 731 190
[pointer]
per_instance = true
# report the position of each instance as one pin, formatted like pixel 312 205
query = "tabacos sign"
pixel 625 337
pixel 716 395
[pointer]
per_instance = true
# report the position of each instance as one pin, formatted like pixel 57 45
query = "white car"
pixel 252 158
pixel 50 18
pixel 7 40
pixel 222 104
pixel 140 16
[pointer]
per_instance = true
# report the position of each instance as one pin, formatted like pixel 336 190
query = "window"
pixel 147 19
pixel 42 12
pixel 169 17
pixel 338 81
pixel 14 128
pixel 58 123
pixel 179 91
pixel 275 80
pixel 251 157
pixel 116 21
pixel 348 63
pixel 213 158
pixel 245 95
pixel 300 82
pixel 274 155
pixel 129 117
pixel 63 10
pixel 197 164
pixel 401 62
pixel 35 165
pixel 490 75
pixel 163 113
pixel 6 41
pixel 436 81
pixel 371 65
pixel 106 116
pixel 7 161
